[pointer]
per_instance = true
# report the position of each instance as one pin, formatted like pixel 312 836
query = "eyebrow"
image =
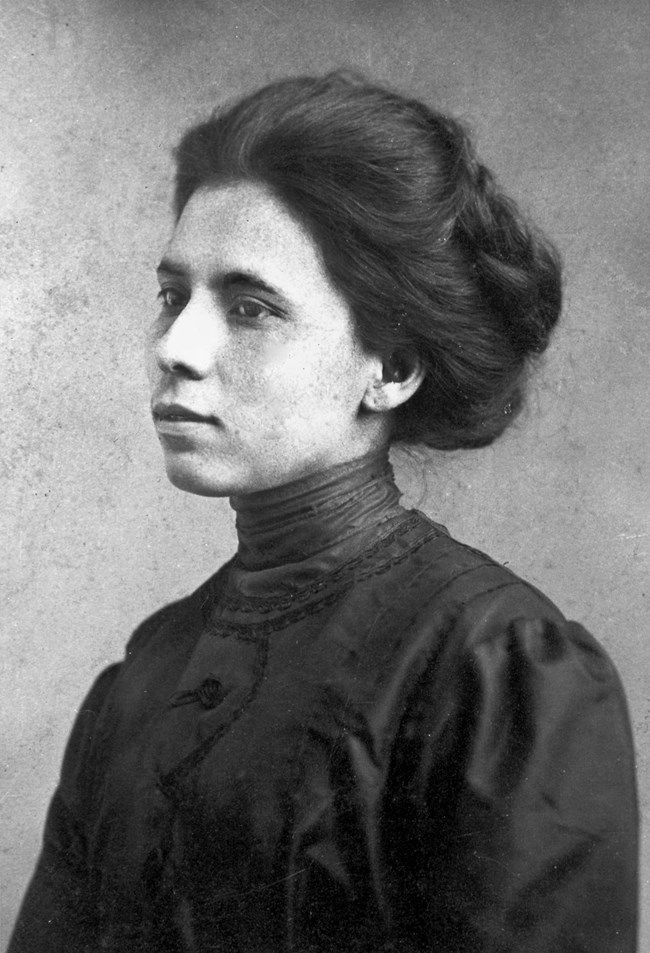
pixel 226 281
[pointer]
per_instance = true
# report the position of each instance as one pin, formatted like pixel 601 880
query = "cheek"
pixel 337 372
pixel 315 384
pixel 278 394
pixel 283 388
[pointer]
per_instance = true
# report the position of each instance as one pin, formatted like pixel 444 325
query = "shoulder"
pixel 466 575
pixel 472 607
pixel 445 572
pixel 500 667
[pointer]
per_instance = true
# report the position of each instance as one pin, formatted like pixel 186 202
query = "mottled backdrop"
pixel 94 93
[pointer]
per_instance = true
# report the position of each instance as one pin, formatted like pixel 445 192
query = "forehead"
pixel 244 226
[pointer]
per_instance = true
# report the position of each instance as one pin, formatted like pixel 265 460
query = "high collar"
pixel 318 521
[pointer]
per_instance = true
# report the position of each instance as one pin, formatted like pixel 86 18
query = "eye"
pixel 250 309
pixel 171 299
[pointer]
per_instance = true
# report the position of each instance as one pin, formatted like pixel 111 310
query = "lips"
pixel 178 414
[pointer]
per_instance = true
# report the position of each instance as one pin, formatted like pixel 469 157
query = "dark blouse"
pixel 359 735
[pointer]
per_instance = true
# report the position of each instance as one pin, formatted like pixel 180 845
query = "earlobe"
pixel 399 380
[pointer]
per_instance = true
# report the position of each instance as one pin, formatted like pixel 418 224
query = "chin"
pixel 187 479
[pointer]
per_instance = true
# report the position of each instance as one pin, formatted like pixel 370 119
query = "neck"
pixel 326 517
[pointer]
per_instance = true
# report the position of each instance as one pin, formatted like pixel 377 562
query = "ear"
pixel 400 377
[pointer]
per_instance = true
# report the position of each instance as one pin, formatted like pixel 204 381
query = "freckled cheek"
pixel 281 386
pixel 248 400
pixel 256 373
pixel 271 403
pixel 274 395
pixel 336 375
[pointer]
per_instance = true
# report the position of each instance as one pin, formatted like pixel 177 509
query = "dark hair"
pixel 432 258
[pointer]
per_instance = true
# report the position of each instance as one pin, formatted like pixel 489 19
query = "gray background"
pixel 94 94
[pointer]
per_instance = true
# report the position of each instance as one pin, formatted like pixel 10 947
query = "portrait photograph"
pixel 326 476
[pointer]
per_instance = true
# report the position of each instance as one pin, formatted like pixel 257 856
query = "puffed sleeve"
pixel 56 914
pixel 525 833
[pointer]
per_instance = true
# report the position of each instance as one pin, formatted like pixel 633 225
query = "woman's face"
pixel 256 373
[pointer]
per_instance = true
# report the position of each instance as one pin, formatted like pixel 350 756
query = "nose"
pixel 189 343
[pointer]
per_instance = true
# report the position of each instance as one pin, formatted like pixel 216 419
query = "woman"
pixel 359 734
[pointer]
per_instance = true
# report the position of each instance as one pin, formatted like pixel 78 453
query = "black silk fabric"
pixel 359 735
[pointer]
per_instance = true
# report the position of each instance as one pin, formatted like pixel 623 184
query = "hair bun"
pixel 517 268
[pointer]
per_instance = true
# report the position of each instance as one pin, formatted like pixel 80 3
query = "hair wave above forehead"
pixel 437 264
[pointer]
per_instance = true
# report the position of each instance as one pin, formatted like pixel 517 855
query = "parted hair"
pixel 433 259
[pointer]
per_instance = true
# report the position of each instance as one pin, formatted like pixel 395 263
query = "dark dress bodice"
pixel 359 736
